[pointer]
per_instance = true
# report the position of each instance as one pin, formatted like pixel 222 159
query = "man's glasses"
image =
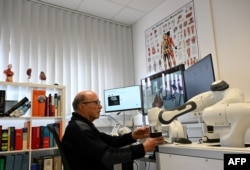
pixel 97 102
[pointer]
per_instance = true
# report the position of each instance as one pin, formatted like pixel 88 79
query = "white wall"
pixel 223 29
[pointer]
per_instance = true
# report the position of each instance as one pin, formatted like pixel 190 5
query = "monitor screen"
pixel 123 98
pixel 164 89
pixel 199 77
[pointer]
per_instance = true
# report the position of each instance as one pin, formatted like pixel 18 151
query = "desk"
pixel 193 156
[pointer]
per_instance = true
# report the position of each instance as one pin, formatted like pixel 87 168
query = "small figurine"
pixel 9 74
pixel 28 72
pixel 42 76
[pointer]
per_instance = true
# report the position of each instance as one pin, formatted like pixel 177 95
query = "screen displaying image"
pixel 164 89
pixel 123 98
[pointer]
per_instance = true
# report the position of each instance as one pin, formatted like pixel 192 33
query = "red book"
pixel 18 139
pixel 35 138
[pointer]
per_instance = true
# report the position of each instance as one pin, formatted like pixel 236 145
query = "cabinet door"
pixel 178 162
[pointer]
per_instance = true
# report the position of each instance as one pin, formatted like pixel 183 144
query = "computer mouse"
pixel 182 141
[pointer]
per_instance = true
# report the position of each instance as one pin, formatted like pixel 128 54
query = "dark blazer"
pixel 87 148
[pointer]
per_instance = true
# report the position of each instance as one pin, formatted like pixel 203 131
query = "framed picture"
pixel 172 41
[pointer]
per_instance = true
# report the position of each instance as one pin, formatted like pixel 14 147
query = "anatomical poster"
pixel 172 41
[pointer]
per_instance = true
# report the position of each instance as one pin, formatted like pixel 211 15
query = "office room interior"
pixel 98 54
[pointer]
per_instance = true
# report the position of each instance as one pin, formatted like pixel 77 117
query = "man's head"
pixel 87 104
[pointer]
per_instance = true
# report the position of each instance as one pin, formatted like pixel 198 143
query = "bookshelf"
pixel 54 113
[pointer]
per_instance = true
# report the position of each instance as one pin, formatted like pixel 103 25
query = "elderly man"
pixel 87 148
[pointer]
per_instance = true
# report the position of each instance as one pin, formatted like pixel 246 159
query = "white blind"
pixel 78 51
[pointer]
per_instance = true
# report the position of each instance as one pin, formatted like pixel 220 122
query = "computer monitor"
pixel 122 99
pixel 164 89
pixel 199 77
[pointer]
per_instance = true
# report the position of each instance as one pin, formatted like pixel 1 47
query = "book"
pixel 57 164
pixel 35 137
pixel 19 139
pixel 9 161
pixel 48 162
pixel 21 110
pixel 55 104
pixel 18 161
pixel 2 162
pixel 5 135
pixel 25 139
pixel 51 140
pixel 16 106
pixel 50 105
pixel 38 102
pixel 45 137
pixel 41 103
pixel 11 138
pixel 39 162
pixel 59 105
pixel 34 166
pixel 28 126
pixel 1 127
pixel 2 103
pixel 47 107
pixel 25 162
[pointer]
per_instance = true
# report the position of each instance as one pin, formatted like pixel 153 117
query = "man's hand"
pixel 140 133
pixel 151 143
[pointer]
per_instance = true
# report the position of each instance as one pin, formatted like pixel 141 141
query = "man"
pixel 88 149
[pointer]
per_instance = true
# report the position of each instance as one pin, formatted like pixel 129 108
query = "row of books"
pixel 42 105
pixel 49 162
pixel 14 162
pixel 12 139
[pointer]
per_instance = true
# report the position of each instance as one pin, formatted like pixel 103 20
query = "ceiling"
pixel 122 11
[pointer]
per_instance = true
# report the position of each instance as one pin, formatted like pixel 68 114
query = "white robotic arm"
pixel 235 115
pixel 196 104
pixel 218 107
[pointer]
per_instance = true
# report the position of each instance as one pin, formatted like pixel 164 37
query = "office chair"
pixel 59 145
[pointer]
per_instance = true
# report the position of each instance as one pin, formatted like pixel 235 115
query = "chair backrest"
pixel 59 145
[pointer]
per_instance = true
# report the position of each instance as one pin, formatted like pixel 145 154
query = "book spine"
pixel 1 127
pixel 5 137
pixel 16 106
pixel 39 162
pixel 45 140
pixel 2 102
pixel 23 109
pixel 56 104
pixel 11 138
pixel 25 138
pixel 9 162
pixel 18 139
pixel 28 126
pixel 35 138
pixel 48 162
pixel 57 162
pixel 25 162
pixel 18 161
pixel 59 105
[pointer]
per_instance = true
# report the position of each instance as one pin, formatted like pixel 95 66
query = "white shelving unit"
pixel 17 91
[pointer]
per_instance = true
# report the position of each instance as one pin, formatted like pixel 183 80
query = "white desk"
pixel 193 156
